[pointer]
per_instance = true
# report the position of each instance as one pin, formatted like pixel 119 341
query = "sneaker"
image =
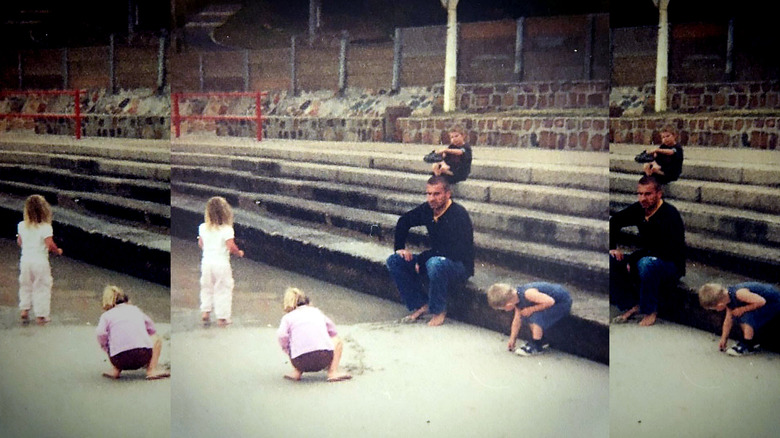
pixel 644 157
pixel 433 157
pixel 530 349
pixel 742 349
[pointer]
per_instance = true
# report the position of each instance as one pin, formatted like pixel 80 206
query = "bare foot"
pixel 205 316
pixel 155 375
pixel 417 314
pixel 648 320
pixel 42 320
pixel 112 375
pixel 294 376
pixel 626 315
pixel 437 319
pixel 25 315
pixel 338 377
pixel 224 322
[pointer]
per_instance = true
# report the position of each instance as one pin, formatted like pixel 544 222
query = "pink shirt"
pixel 123 328
pixel 304 330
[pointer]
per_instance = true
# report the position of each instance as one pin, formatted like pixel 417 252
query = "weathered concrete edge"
pixel 575 335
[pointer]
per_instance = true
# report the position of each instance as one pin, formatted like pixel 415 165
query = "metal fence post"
pixel 64 67
pixel 587 68
pixel 111 64
pixel 161 63
pixel 19 69
pixel 397 55
pixel 246 70
pixel 343 61
pixel 293 72
pixel 200 71
pixel 520 29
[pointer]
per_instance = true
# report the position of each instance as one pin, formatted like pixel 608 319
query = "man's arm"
pixel 623 218
pixel 412 218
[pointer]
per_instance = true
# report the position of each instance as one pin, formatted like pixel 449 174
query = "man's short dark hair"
pixel 438 179
pixel 647 180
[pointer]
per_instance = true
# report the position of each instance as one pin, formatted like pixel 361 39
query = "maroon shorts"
pixel 313 361
pixel 132 359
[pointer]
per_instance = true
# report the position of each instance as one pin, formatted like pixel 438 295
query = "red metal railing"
pixel 76 116
pixel 178 117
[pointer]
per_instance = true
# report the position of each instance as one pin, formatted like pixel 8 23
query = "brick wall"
pixel 758 132
pixel 533 96
pixel 547 132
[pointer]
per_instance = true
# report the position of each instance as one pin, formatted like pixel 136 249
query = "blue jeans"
pixel 441 272
pixel 650 273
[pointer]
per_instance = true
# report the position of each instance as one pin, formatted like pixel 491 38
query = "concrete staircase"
pixel 730 202
pixel 329 209
pixel 110 198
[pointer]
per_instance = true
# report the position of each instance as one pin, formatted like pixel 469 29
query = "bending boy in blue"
pixel 541 304
pixel 751 304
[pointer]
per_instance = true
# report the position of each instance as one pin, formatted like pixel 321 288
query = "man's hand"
pixel 405 253
pixel 617 254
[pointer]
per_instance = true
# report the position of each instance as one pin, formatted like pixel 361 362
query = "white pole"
pixel 662 61
pixel 451 59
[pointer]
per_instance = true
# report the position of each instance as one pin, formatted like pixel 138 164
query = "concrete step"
pixel 130 250
pixel 724 222
pixel 90 165
pixel 734 173
pixel 529 224
pixel 44 176
pixel 359 263
pixel 578 170
pixel 137 150
pixel 575 202
pixel 762 199
pixel 115 209
pixel 581 266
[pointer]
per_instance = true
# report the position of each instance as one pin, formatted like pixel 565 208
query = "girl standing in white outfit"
pixel 36 238
pixel 216 239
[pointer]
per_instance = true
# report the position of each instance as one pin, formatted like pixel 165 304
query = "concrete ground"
pixel 409 380
pixel 671 380
pixel 51 384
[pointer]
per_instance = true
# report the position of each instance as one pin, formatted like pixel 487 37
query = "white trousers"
pixel 35 283
pixel 216 289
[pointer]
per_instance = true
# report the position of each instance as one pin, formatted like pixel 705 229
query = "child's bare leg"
pixel 747 332
pixel 647 168
pixel 151 368
pixel 334 374
pixel 114 373
pixel 537 332
pixel 294 375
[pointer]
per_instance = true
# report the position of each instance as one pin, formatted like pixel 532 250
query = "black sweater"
pixel 452 236
pixel 662 236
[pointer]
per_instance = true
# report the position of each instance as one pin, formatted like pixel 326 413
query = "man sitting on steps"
pixel 660 259
pixel 449 261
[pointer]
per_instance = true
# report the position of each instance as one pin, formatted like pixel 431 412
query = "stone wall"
pixel 533 96
pixel 758 132
pixel 698 98
pixel 549 132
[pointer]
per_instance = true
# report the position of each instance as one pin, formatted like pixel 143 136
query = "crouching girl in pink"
pixel 309 338
pixel 128 336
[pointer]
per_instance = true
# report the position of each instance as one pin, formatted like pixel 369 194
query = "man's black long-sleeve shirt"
pixel 451 236
pixel 662 236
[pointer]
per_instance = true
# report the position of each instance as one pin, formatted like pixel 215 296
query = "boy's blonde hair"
pixel 294 297
pixel 112 296
pixel 711 294
pixel 499 294
pixel 218 212
pixel 37 210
